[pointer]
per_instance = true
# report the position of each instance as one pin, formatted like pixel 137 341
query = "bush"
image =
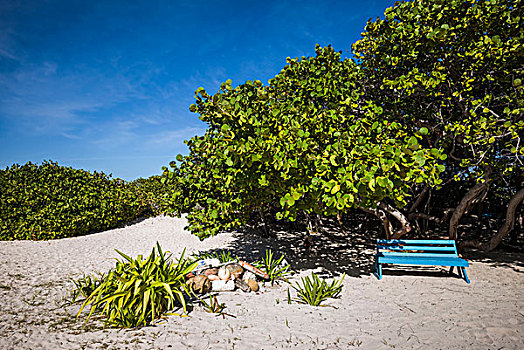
pixel 50 201
pixel 156 193
pixel 138 291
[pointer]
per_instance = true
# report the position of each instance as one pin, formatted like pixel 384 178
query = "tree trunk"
pixel 383 217
pixel 419 199
pixel 509 223
pixel 265 227
pixel 339 220
pixel 406 226
pixel 463 206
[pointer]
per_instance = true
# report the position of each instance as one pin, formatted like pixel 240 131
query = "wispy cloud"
pixel 46 99
pixel 176 136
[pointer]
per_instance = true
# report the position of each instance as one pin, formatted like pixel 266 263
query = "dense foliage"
pixel 455 67
pixel 48 201
pixel 155 192
pixel 433 99
pixel 303 144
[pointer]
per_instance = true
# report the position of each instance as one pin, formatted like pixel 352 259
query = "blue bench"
pixel 419 252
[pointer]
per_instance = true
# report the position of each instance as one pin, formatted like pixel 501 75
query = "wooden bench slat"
pixel 424 261
pixel 416 241
pixel 427 255
pixel 417 247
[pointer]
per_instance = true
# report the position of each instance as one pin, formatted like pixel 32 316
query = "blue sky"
pixel 106 85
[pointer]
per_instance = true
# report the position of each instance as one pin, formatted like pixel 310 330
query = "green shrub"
pixel 315 290
pixel 48 201
pixel 137 292
pixel 156 193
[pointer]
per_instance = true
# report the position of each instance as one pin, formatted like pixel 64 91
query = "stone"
pixel 248 275
pixel 243 286
pixel 236 270
pixel 213 277
pixel 224 273
pixel 213 271
pixel 223 286
pixel 253 285
pixel 199 284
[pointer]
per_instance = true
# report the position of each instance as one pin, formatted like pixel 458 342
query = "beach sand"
pixel 414 308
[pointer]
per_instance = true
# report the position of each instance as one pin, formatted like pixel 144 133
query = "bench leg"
pixel 378 270
pixel 459 270
pixel 451 270
pixel 465 274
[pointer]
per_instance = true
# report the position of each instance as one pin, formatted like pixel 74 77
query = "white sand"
pixel 424 310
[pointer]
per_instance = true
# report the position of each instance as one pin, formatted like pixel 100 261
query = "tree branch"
pixel 506 228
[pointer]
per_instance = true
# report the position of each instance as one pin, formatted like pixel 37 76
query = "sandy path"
pixel 425 310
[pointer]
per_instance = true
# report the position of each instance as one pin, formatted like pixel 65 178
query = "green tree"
pixel 455 68
pixel 305 143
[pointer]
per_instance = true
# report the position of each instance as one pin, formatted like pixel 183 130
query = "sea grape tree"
pixel 433 98
pixel 456 68
pixel 305 143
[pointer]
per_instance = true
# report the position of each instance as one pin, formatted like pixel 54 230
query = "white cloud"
pixel 176 136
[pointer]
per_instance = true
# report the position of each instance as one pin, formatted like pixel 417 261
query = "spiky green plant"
pixel 84 286
pixel 315 290
pixel 222 255
pixel 213 306
pixel 139 291
pixel 275 268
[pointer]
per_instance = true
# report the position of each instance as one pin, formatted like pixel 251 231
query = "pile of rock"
pixel 212 275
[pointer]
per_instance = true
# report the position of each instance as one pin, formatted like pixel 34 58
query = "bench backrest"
pixel 417 248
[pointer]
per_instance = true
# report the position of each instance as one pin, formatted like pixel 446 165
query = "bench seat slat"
pixel 423 261
pixel 420 254
pixel 415 241
pixel 416 247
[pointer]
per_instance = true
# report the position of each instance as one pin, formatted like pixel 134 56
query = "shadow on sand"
pixel 348 251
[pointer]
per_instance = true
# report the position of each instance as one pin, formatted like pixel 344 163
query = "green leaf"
pixel 335 188
pixel 332 160
pixel 423 131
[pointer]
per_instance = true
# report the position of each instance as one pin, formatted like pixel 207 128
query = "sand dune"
pixel 413 309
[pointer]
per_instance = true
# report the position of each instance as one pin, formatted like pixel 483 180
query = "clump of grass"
pixel 222 255
pixel 84 287
pixel 275 268
pixel 315 290
pixel 213 306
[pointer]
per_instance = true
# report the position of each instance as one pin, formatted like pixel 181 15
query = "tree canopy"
pixel 432 98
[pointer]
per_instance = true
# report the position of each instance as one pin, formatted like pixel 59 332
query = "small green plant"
pixel 275 268
pixel 315 290
pixel 137 291
pixel 222 255
pixel 84 287
pixel 214 306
